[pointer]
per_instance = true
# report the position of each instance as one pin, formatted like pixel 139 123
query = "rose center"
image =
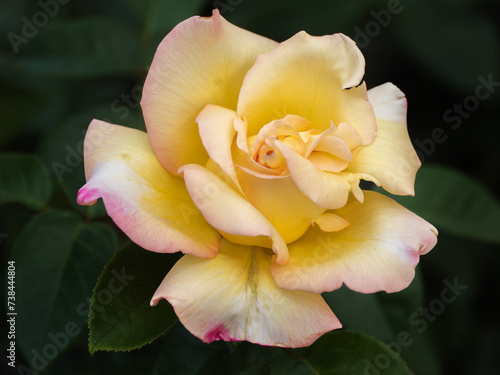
pixel 330 150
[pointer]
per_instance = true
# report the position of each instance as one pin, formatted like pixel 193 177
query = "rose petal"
pixel 327 162
pixel 378 251
pixel 327 190
pixel 201 61
pixel 309 77
pixel 329 222
pixel 216 126
pixel 230 213
pixel 149 204
pixel 281 202
pixel 334 146
pixel 391 159
pixel 233 297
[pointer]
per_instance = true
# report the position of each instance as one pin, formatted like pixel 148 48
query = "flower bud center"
pixel 330 150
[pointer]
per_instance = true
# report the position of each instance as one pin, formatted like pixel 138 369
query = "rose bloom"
pixel 251 167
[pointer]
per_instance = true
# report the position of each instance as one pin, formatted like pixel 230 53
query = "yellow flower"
pixel 251 166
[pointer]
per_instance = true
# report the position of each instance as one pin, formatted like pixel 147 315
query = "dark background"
pixel 88 59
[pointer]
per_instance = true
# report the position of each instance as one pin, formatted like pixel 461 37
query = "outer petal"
pixel 201 61
pixel 230 213
pixel 308 76
pixel 149 204
pixel 327 190
pixel 378 251
pixel 233 297
pixel 391 159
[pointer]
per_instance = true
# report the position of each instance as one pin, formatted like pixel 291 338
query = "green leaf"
pixel 24 179
pixel 454 202
pixel 342 353
pixel 58 259
pixel 78 48
pixel 121 317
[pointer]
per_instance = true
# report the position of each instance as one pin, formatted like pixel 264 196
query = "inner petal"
pixel 270 157
pixel 291 130
pixel 328 162
pixel 334 146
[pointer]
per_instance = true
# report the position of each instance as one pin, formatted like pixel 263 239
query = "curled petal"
pixel 327 162
pixel 329 222
pixel 148 203
pixel 355 180
pixel 391 159
pixel 241 135
pixel 216 126
pixel 233 297
pixel 350 136
pixel 334 146
pixel 230 213
pixel 378 251
pixel 327 190
pixel 201 61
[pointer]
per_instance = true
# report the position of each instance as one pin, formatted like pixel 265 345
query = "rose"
pixel 254 148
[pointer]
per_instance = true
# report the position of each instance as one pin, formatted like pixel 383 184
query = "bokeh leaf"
pixel 78 48
pixel 240 358
pixel 163 15
pixel 387 317
pixel 280 22
pixel 182 353
pixel 17 107
pixel 436 33
pixel 62 150
pixel 129 281
pixel 24 179
pixel 58 258
pixel 159 17
pixel 455 202
pixel 353 308
pixel 342 353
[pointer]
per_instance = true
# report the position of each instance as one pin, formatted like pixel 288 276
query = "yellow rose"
pixel 251 166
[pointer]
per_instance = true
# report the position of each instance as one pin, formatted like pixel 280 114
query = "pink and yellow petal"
pixel 230 213
pixel 233 297
pixel 149 204
pixel 391 159
pixel 378 251
pixel 201 61
pixel 308 76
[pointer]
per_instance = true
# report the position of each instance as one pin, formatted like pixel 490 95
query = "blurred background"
pixel 65 62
